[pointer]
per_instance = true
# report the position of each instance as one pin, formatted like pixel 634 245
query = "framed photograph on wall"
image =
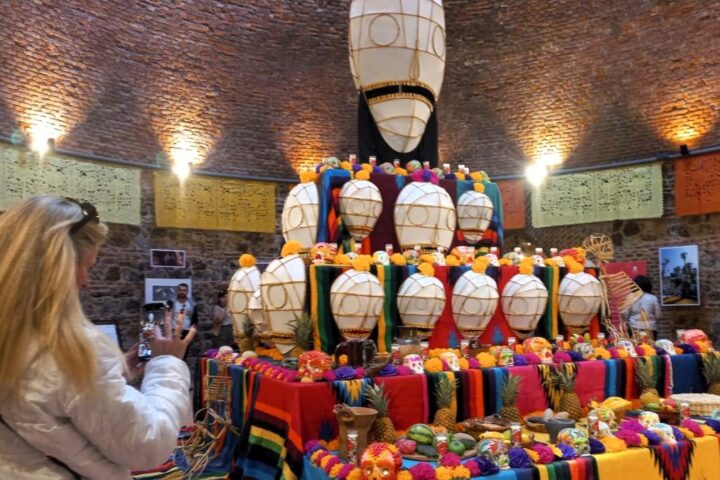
pixel 679 276
pixel 111 330
pixel 168 258
pixel 164 289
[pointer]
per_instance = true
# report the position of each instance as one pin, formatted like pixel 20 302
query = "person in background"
pixel 645 313
pixel 66 410
pixel 185 312
pixel 222 328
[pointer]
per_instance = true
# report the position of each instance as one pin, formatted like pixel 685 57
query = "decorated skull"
pixel 331 162
pixel 628 345
pixel 647 419
pixel 438 258
pixel 585 349
pixel 495 450
pixel 380 461
pixel 604 430
pixel 451 359
pixel 312 365
pixel 540 347
pixel 666 345
pixel 503 355
pixel 699 339
pixel 414 362
pixel 381 257
pixel 576 438
pixel 665 432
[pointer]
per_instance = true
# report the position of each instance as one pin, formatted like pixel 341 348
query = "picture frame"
pixel 163 258
pixel 111 330
pixel 163 289
pixel 679 276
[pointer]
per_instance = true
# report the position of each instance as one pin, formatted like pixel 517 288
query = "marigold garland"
pixel 433 365
pixel 362 175
pixel 486 360
pixel 291 248
pixel 427 269
pixel 247 260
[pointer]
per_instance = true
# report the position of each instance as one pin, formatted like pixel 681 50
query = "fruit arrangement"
pixel 420 444
pixel 564 381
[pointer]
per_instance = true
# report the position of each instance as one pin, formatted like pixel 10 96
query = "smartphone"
pixel 152 314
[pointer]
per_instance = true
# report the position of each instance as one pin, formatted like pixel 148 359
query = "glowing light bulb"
pixel 40 135
pixel 536 173
pixel 182 170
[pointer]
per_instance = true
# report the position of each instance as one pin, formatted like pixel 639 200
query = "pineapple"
pixel 382 429
pixel 302 329
pixel 247 341
pixel 569 401
pixel 510 391
pixel 646 382
pixel 444 416
pixel 712 372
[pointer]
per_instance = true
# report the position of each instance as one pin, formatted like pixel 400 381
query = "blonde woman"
pixel 66 409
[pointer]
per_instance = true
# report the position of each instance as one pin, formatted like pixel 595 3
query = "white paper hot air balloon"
pixel 474 301
pixel 474 212
pixel 397 59
pixel 360 207
pixel 243 284
pixel 425 216
pixel 579 298
pixel 356 301
pixel 524 299
pixel 256 312
pixel 300 214
pixel 420 302
pixel 283 285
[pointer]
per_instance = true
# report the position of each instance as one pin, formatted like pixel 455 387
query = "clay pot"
pixel 361 420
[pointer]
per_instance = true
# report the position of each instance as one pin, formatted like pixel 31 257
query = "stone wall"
pixel 262 88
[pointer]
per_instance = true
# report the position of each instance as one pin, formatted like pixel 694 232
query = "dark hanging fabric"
pixel 370 142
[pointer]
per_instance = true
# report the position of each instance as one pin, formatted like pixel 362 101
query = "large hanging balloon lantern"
pixel 300 214
pixel 474 213
pixel 256 312
pixel 524 299
pixel 474 300
pixel 283 285
pixel 420 301
pixel 356 301
pixel 243 284
pixel 397 59
pixel 425 216
pixel 579 297
pixel 360 207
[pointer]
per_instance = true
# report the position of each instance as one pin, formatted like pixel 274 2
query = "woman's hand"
pixel 135 366
pixel 167 341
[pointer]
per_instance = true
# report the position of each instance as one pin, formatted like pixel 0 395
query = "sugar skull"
pixel 438 258
pixel 381 257
pixel 604 430
pixel 503 355
pixel 451 359
pixel 540 347
pixel 576 438
pixel 331 162
pixel 628 346
pixel 666 345
pixel 380 461
pixel 495 450
pixel 647 419
pixel 585 349
pixel 699 339
pixel 414 362
pixel 312 365
pixel 411 257
pixel 665 432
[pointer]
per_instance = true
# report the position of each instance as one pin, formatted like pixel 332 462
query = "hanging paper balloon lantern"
pixel 524 299
pixel 579 298
pixel 356 301
pixel 256 312
pixel 360 207
pixel 397 59
pixel 300 214
pixel 425 216
pixel 420 302
pixel 283 285
pixel 474 212
pixel 474 301
pixel 243 284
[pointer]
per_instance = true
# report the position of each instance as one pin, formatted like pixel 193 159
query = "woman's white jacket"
pixel 100 435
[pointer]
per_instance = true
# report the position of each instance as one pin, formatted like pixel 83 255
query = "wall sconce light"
pixel 536 173
pixel 684 150
pixel 183 158
pixel 41 139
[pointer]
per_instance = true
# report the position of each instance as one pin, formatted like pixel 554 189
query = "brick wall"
pixel 260 87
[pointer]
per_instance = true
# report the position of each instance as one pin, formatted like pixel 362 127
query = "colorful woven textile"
pixel 689 460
